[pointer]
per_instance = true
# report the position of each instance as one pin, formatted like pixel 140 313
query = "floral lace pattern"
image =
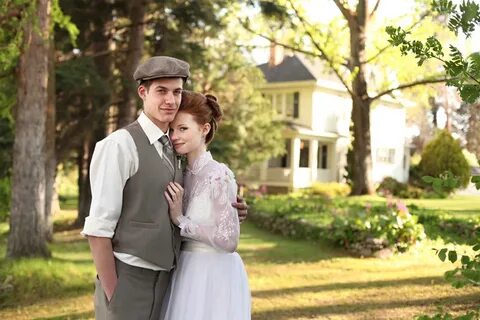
pixel 210 188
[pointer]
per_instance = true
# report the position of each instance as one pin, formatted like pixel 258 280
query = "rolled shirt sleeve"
pixel 114 161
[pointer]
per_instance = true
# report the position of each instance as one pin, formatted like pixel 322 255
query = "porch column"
pixel 313 160
pixel 263 171
pixel 295 160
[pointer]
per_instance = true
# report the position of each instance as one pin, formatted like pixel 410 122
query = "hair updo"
pixel 203 108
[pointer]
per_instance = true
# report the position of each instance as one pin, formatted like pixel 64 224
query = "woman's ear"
pixel 206 129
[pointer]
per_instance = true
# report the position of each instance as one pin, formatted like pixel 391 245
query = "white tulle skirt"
pixel 208 285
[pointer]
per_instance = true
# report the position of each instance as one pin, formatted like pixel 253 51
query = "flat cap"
pixel 162 67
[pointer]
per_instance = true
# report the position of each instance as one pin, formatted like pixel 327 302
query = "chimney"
pixel 276 55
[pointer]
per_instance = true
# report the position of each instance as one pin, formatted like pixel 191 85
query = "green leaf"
pixel 470 92
pixel 429 179
pixel 476 181
pixel 476 247
pixel 465 259
pixel 452 256
pixel 442 254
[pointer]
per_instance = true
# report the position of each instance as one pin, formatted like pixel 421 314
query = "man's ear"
pixel 142 91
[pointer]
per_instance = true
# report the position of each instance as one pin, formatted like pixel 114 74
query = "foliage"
pixel 4 198
pixel 349 225
pixel 390 186
pixel 445 154
pixel 248 122
pixel 392 227
pixel 463 72
pixel 468 273
pixel 471 315
pixel 329 189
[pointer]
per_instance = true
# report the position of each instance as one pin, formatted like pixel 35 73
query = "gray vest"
pixel 144 228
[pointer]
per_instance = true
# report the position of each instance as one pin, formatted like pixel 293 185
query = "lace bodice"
pixel 210 190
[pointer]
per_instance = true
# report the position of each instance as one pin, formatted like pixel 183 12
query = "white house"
pixel 316 110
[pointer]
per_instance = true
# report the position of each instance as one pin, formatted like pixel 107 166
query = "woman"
pixel 210 281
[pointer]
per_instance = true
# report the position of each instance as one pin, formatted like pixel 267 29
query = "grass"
pixel 289 280
pixel 460 206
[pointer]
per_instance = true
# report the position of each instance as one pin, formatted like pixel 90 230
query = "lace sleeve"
pixel 224 232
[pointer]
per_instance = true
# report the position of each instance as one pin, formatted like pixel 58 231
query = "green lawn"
pixel 289 280
pixel 459 206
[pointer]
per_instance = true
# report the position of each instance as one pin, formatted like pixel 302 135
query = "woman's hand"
pixel 174 195
pixel 242 208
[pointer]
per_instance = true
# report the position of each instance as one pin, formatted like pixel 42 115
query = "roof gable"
pixel 290 69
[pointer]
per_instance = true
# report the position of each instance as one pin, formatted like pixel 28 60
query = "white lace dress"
pixel 209 281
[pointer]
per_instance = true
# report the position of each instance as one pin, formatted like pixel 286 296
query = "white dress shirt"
pixel 114 161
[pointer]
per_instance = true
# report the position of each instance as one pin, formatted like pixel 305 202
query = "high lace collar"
pixel 200 162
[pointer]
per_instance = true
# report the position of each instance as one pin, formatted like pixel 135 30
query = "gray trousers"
pixel 138 295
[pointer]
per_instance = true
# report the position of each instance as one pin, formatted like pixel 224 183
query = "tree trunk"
pixel 362 153
pixel 473 133
pixel 27 221
pixel 51 163
pixel 84 192
pixel 127 109
pixel 101 43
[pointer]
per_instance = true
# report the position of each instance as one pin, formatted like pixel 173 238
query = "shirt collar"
pixel 200 162
pixel 151 130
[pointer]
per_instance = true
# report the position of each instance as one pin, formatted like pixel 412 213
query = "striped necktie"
pixel 167 149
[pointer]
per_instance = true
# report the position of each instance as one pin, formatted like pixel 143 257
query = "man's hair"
pixel 148 83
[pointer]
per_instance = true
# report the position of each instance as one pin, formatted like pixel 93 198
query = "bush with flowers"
pixel 373 229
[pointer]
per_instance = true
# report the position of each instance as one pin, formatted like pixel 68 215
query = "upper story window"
pixel 292 104
pixel 286 104
pixel 385 155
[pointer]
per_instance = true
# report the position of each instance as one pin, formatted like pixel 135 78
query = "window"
pixel 386 155
pixel 279 103
pixel 281 161
pixel 304 152
pixel 322 156
pixel 292 104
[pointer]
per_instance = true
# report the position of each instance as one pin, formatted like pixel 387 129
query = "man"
pixel 133 242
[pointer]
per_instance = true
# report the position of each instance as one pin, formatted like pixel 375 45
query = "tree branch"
pixel 324 56
pixel 347 13
pixel 297 49
pixel 409 85
pixel 375 8
pixel 422 16
pixel 76 131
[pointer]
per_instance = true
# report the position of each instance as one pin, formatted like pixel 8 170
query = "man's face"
pixel 161 100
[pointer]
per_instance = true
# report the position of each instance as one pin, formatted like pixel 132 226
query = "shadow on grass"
pixel 464 301
pixel 427 281
pixel 261 246
pixel 81 315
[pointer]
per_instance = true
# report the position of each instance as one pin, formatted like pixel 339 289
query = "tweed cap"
pixel 162 67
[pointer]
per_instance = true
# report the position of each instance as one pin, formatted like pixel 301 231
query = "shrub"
pixel 330 190
pixel 390 186
pixel 445 154
pixel 376 228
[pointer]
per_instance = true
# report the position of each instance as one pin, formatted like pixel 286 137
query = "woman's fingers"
pixel 177 187
pixel 169 200
pixel 172 192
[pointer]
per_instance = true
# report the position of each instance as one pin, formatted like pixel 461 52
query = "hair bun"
pixel 210 96
pixel 213 104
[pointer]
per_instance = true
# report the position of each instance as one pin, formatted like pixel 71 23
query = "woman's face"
pixel 186 134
